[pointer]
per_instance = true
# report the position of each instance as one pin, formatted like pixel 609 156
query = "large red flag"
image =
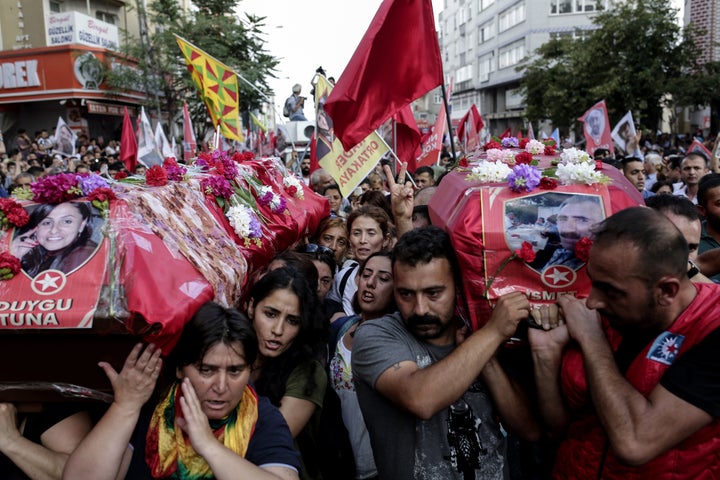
pixel 597 128
pixel 407 137
pixel 469 128
pixel 397 61
pixel 128 143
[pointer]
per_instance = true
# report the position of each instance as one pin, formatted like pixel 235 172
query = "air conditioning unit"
pixel 299 132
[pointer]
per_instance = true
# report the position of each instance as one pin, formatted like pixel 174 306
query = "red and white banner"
pixel 468 131
pixel 597 128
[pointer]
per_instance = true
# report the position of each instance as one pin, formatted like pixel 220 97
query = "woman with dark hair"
pixel 209 423
pixel 374 299
pixel 291 343
pixel 332 233
pixel 369 232
pixel 56 237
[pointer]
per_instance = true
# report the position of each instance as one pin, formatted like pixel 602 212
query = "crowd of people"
pixel 348 357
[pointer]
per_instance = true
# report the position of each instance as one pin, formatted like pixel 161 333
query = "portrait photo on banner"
pixel 553 223
pixel 58 237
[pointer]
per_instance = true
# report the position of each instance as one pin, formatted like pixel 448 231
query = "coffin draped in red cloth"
pixel 487 222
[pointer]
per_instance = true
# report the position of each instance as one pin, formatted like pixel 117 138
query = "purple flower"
pixel 510 142
pixel 229 169
pixel 524 177
pixel 266 198
pixel 56 188
pixel 217 185
pixel 255 227
pixel 175 172
pixel 90 182
pixel 202 163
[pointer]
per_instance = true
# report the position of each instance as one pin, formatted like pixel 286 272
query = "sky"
pixel 293 37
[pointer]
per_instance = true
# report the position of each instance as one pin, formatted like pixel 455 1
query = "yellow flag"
pixel 347 168
pixel 218 88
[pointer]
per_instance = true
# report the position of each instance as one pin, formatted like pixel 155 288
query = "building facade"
pixel 483 41
pixel 53 55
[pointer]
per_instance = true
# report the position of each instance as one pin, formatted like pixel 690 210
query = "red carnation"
pixel 156 176
pixel 292 190
pixel 102 194
pixel 582 249
pixel 526 252
pixel 547 183
pixel 9 266
pixel 120 175
pixel 170 161
pixel 492 144
pixel 523 158
pixel 523 142
pixel 550 149
pixel 598 165
pixel 463 162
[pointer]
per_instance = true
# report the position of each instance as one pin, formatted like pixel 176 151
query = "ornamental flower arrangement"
pixel 175 171
pixel 64 187
pixel 12 214
pixel 245 222
pixel 490 172
pixel 268 198
pixel 526 253
pixel 226 181
pixel 293 186
pixel 9 266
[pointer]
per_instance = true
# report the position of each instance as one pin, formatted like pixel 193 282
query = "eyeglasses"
pixel 314 247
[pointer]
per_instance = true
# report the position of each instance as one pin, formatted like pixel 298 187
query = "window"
pixel 511 17
pixel 437 98
pixel 560 7
pixel 486 31
pixel 483 4
pixel 510 55
pixel 106 17
pixel 463 73
pixel 485 67
pixel 55 7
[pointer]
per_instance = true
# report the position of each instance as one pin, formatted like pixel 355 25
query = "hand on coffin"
pixel 509 311
pixel 136 381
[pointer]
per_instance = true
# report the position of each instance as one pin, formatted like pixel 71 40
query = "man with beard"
pixel 709 207
pixel 431 403
pixel 575 218
pixel 305 170
pixel 640 385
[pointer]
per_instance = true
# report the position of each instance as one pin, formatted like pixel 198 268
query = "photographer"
pixel 294 105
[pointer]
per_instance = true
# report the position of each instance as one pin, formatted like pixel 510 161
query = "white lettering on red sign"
pixel 20 74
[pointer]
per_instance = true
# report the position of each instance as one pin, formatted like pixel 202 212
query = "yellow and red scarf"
pixel 168 452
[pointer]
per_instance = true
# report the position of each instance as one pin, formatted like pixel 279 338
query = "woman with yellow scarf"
pixel 208 424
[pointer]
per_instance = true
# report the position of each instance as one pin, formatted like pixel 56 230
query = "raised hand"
pixel 401 198
pixel 136 381
pixel 194 421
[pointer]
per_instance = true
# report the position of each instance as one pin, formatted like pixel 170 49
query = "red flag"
pixel 189 142
pixel 407 137
pixel 397 61
pixel 597 128
pixel 432 145
pixel 469 128
pixel 314 165
pixel 506 133
pixel 128 143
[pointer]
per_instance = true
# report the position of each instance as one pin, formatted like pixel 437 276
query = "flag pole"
pixel 449 123
pixel 398 161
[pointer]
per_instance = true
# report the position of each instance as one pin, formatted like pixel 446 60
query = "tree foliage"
pixel 214 27
pixel 634 57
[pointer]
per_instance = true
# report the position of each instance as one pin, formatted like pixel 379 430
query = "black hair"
pixel 213 324
pixel 308 345
pixel 422 245
pixel 627 160
pixel 391 307
pixel 699 154
pixel 36 260
pixel 707 182
pixel 660 247
pixel 661 183
pixel 676 204
pixel 425 169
